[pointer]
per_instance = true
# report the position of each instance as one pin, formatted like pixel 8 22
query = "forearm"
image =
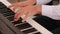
pixel 32 1
pixel 27 2
pixel 39 8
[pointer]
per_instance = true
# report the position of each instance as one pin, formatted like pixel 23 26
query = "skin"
pixel 22 4
pixel 28 9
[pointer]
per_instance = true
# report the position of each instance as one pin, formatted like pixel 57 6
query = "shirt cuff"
pixel 42 2
pixel 47 10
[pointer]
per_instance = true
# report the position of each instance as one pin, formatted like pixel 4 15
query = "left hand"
pixel 27 11
pixel 22 4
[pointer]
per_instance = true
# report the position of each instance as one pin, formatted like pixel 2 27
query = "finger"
pixel 18 15
pixel 15 7
pixel 11 6
pixel 18 9
pixel 26 16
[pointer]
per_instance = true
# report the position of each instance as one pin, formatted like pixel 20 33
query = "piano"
pixel 31 26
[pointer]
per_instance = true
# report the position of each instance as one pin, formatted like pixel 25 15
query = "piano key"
pixel 2 5
pixel 23 26
pixel 6 15
pixel 38 33
pixel 17 22
pixel 5 12
pixel 26 29
pixel 46 22
pixel 10 13
pixel 11 18
pixel 30 30
pixel 33 32
pixel 12 21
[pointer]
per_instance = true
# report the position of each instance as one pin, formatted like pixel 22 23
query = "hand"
pixel 22 4
pixel 27 11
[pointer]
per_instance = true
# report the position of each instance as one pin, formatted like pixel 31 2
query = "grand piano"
pixel 32 25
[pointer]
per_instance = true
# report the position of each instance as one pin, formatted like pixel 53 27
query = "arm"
pixel 28 2
pixel 32 1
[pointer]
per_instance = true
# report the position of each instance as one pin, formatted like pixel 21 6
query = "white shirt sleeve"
pixel 51 11
pixel 43 1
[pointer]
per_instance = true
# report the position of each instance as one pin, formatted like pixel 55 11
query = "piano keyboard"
pixel 24 27
pixel 29 27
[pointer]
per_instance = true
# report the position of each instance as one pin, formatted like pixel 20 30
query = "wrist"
pixel 32 2
pixel 39 9
pixel 28 2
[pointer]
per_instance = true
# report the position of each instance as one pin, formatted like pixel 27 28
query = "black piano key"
pixel 23 26
pixel 3 10
pixel 6 10
pixel 10 18
pixel 9 10
pixel 17 22
pixel 37 33
pixel 7 15
pixel 2 5
pixel 46 22
pixel 30 30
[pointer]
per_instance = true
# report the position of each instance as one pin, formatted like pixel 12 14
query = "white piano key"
pixel 26 29
pixel 29 30
pixel 33 32
pixel 38 33
pixel 38 26
pixel 5 2
pixel 19 24
pixel 12 21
